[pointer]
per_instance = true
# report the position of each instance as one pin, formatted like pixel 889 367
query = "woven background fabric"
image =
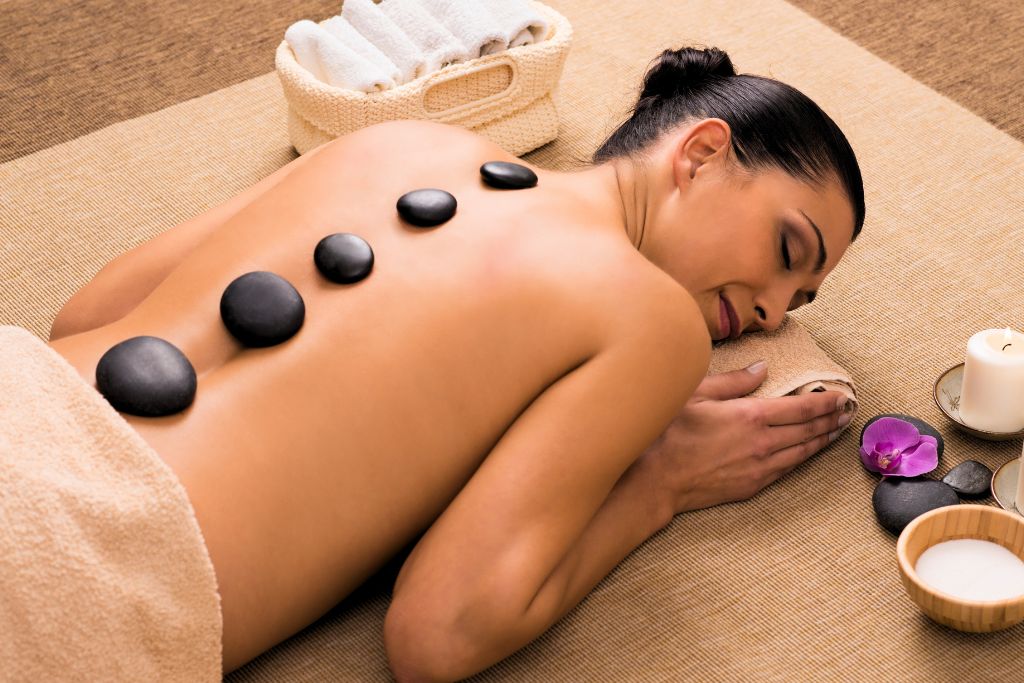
pixel 796 584
pixel 69 68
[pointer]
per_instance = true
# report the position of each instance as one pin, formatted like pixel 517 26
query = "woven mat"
pixel 798 583
pixel 69 67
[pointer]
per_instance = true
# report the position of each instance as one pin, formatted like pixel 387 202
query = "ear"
pixel 706 142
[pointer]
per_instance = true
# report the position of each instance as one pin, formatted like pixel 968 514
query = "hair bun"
pixel 677 71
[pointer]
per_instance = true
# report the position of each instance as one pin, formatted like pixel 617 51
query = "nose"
pixel 770 309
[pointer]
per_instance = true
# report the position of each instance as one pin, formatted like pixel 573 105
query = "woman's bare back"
pixel 311 463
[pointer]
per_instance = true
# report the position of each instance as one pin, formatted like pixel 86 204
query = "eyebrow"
pixel 822 254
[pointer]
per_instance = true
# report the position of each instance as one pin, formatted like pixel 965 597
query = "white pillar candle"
pixel 972 569
pixel 992 394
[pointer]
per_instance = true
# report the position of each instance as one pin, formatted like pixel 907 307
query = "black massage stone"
pixel 970 479
pixel 897 500
pixel 146 376
pixel 262 309
pixel 426 208
pixel 343 257
pixel 504 175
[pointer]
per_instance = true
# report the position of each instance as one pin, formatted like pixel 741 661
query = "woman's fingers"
pixel 788 435
pixel 735 384
pixel 784 461
pixel 789 410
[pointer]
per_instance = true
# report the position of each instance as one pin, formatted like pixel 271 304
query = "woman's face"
pixel 749 246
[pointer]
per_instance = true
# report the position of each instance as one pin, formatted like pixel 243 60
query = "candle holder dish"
pixel 947 397
pixel 980 522
pixel 1004 485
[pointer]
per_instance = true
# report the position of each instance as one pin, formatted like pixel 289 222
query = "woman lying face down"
pixel 520 390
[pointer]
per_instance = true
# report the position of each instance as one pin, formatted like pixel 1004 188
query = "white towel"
pixel 520 22
pixel 470 22
pixel 330 61
pixel 350 37
pixel 376 27
pixel 435 41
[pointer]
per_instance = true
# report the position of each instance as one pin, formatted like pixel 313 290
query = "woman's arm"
pixel 554 507
pixel 124 282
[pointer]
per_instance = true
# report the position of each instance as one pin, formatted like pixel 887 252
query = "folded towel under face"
pixel 519 22
pixel 331 61
pixel 479 31
pixel 796 364
pixel 434 40
pixel 379 29
pixel 350 37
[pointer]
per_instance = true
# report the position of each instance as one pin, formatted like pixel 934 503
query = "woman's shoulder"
pixel 665 307
pixel 635 302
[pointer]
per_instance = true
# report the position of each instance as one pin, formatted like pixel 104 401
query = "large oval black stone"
pixel 897 501
pixel 262 309
pixel 146 376
pixel 921 425
pixel 505 175
pixel 343 257
pixel 426 208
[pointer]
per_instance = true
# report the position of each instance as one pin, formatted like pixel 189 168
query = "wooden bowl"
pixel 946 524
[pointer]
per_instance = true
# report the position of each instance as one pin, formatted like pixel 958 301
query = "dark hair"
pixel 774 125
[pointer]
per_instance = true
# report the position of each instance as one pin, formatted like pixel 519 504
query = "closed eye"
pixel 785 253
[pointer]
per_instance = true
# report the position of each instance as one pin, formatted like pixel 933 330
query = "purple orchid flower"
pixel 894 448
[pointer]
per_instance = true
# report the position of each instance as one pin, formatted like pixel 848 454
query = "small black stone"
pixel 897 501
pixel 921 425
pixel 426 208
pixel 146 376
pixel 504 175
pixel 343 257
pixel 970 479
pixel 262 309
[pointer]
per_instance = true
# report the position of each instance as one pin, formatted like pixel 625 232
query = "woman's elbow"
pixel 424 644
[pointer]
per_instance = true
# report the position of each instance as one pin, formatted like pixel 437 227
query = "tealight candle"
pixel 992 394
pixel 972 569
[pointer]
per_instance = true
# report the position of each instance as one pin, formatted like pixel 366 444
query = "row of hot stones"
pixel 151 377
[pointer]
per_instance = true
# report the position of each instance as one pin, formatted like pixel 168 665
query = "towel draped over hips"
pixel 104 573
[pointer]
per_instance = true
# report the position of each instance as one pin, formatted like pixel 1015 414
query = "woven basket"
pixel 506 97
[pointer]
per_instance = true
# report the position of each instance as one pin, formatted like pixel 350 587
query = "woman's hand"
pixel 722 447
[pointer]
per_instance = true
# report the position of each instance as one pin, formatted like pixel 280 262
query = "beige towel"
pixel 796 365
pixel 104 574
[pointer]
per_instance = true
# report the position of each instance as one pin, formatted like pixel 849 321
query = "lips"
pixel 729 322
pixel 724 325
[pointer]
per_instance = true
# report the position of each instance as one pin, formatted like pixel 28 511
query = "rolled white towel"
pixel 520 22
pixel 351 38
pixel 470 22
pixel 435 41
pixel 330 61
pixel 376 27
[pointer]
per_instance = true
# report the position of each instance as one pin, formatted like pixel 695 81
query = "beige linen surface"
pixel 798 583
pixel 104 574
